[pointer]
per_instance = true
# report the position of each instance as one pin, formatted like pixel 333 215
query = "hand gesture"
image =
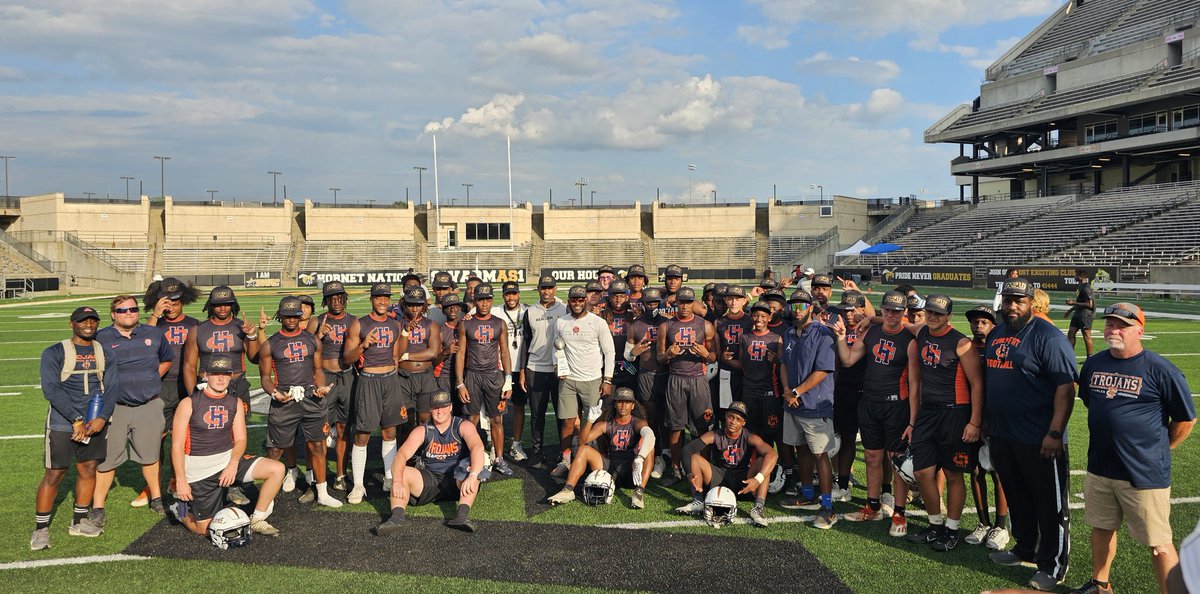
pixel 263 320
pixel 727 355
pixel 700 350
pixel 280 396
pixel 324 331
pixel 751 486
pixel 323 391
pixel 675 350
pixel 369 341
pixel 160 308
pixel 247 327
pixel 848 284
pixel 838 327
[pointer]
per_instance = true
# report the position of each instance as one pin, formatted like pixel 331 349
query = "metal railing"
pixel 26 250
pixel 184 240
pixel 400 204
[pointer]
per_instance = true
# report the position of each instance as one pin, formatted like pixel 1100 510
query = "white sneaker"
pixel 328 501
pixel 840 494
pixel 561 497
pixel 516 452
pixel 356 495
pixel 696 506
pixel 979 535
pixel 289 480
pixel 997 538
pixel 660 466
pixel 887 504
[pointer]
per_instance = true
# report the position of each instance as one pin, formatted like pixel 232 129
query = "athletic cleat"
pixel 236 496
pixel 309 496
pixel 502 467
pixel 561 469
pixel 328 501
pixel 97 516
pixel 263 528
pixel 142 500
pixel 390 526
pixel 825 519
pixel 696 506
pixel 887 504
pixel 40 539
pixel 561 497
pixel 516 452
pixel 156 506
pixel 1043 581
pixel 854 483
pixel 946 541
pixel 997 538
pixel 670 478
pixel 899 526
pixel 356 495
pixel 660 466
pixel 1010 559
pixel 638 500
pixel 339 482
pixel 758 516
pixel 289 480
pixel 978 535
pixel 464 524
pixel 1093 587
pixel 801 503
pixel 85 527
pixel 791 491
pixel 840 494
pixel 925 535
pixel 864 514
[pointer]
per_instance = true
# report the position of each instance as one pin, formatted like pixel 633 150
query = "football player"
pixel 641 349
pixel 420 344
pixel 485 368
pixel 686 345
pixel 330 328
pixel 724 460
pixel 627 443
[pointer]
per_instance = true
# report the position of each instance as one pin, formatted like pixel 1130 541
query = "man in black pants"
pixel 1030 379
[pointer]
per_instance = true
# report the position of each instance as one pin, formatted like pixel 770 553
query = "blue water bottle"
pixel 95 405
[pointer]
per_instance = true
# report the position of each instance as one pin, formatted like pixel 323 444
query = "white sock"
pixel 308 476
pixel 389 456
pixel 292 472
pixel 358 464
pixel 322 490
pixel 262 515
pixel 936 519
pixel 951 524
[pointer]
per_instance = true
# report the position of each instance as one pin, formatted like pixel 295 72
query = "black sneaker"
pixel 156 506
pixel 1093 587
pixel 390 526
pixel 463 524
pixel 946 541
pixel 926 535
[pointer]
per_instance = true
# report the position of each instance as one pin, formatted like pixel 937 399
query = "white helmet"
pixel 985 456
pixel 720 507
pixel 710 371
pixel 598 488
pixel 835 445
pixel 229 528
pixel 903 462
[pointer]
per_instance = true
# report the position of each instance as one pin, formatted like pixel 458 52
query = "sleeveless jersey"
pixel 730 453
pixel 418 337
pixel 385 332
pixel 213 337
pixel 210 428
pixel 942 379
pixel 449 337
pixel 443 451
pixel 641 327
pixel 334 343
pixel 886 375
pixel 621 439
pixel 850 379
pixel 618 324
pixel 483 343
pixel 686 334
pixel 729 334
pixel 292 358
pixel 176 334
pixel 758 371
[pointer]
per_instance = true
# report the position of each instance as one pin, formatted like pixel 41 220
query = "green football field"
pixel 861 555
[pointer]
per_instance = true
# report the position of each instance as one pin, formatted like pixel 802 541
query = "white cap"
pixel 809 271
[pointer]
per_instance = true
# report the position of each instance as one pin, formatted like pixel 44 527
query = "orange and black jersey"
pixel 943 380
pixel 292 358
pixel 731 452
pixel 759 372
pixel 886 375
pixel 621 440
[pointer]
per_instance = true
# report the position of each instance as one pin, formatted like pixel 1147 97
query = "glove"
pixel 507 384
pixel 296 393
pixel 593 412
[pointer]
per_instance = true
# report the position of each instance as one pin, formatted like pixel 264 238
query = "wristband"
pixel 462 385
pixel 252 336
pixel 760 478
pixel 473 475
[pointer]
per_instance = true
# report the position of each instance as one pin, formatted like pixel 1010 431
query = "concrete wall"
pixel 457 217
pixel 88 270
pixel 693 221
pixel 1176 275
pixel 120 223
pixel 592 223
pixel 1109 65
pixel 378 224
pixel 230 223
pixel 798 220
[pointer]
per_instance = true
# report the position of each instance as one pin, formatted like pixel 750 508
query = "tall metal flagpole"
pixel 437 204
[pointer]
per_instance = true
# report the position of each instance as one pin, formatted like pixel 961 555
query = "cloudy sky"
pixel 626 93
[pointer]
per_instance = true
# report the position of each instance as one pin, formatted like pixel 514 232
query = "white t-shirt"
pixel 588 346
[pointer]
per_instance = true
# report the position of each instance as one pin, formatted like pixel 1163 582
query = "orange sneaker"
pixel 864 514
pixel 143 498
pixel 899 526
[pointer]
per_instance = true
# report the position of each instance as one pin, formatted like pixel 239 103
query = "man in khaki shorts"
pixel 1139 408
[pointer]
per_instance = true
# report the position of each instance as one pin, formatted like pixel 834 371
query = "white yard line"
pixel 71 561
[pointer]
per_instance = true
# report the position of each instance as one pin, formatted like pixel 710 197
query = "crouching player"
pixel 729 464
pixel 208 440
pixel 629 443
pixel 447 444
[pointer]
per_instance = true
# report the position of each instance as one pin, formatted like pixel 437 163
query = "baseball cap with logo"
pixel 800 296
pixel 939 304
pixel 895 301
pixel 760 306
pixel 709 288
pixel 1126 312
pixel 451 300
pixel 768 283
pixel 735 291
pixel 84 313
pixel 651 295
pixel 636 270
pixel 577 292
pixel 171 288
pixel 221 295
pixel 738 407
pixel 851 299
pixel 439 399
pixel 442 280
pixel 593 286
pixel 624 395
pixel 510 287
pixel 381 289
pixel 409 278
pixel 822 280
pixel 981 311
pixel 606 268
pixel 1017 287
pixel 774 295
pixel 290 307
pixel 685 294
pixel 414 295
pixel 618 287
pixel 306 300
pixel 720 290
pixel 332 288
pixel 220 363
pixel 483 291
pixel 673 270
pixel 547 282
pixel 915 302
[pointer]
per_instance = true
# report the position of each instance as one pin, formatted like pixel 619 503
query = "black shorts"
pixel 1082 318
pixel 376 401
pixel 240 387
pixel 937 439
pixel 437 487
pixel 310 416
pixel 651 388
pixel 734 478
pixel 169 392
pixel 416 389
pixel 340 394
pixel 845 411
pixel 519 396
pixel 485 389
pixel 61 452
pixel 208 496
pixel 881 422
pixel 689 405
pixel 620 469
pixel 766 414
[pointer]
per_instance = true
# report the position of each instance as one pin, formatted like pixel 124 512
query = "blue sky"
pixel 626 93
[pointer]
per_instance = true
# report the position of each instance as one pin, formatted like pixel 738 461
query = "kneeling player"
pixel 208 440
pixel 728 464
pixel 624 456
pixel 445 442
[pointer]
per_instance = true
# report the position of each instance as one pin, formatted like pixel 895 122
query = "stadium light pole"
pixel 162 176
pixel 583 181
pixel 593 197
pixel 6 158
pixel 420 182
pixel 816 187
pixel 335 191
pixel 126 178
pixel 468 187
pixel 274 185
pixel 211 198
pixel 89 195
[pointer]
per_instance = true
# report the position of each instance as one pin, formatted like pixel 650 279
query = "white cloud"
pixel 9 73
pixel 698 193
pixel 871 72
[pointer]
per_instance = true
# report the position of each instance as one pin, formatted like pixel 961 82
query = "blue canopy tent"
pixel 882 248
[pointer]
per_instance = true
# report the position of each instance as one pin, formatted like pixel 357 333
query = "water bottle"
pixel 95 405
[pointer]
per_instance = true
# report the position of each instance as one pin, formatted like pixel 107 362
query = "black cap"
pixel 332 288
pixel 624 395
pixel 738 407
pixel 220 363
pixel 439 399
pixel 290 307
pixel 768 283
pixel 411 276
pixel 774 295
pixel 593 286
pixel 760 306
pixel 851 299
pixel 636 270
pixel 606 268
pixel 822 280
pixel 652 294
pixel 618 287
pixel 709 288
pixel 577 292
pixel 915 302
pixel 171 288
pixel 939 304
pixel 800 296
pixel 894 300
pixel 473 277
pixel 451 300
pixel 981 311
pixel 483 291
pixel 83 313
pixel 735 291
pixel 442 280
pixel 720 290
pixel 685 294
pixel 415 295
pixel 547 282
pixel 381 289
pixel 307 300
pixel 1018 287
pixel 510 287
pixel 673 270
pixel 221 295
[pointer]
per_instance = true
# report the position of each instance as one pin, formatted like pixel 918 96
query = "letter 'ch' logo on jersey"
pixel 732 454
pixel 758 350
pixel 618 326
pixel 216 417
pixel 733 333
pixel 620 440
pixel 931 354
pixel 296 352
pixel 220 341
pixel 177 334
pixel 337 334
pixel 685 336
pixel 484 333
pixel 884 351
pixel 384 336
pixel 419 334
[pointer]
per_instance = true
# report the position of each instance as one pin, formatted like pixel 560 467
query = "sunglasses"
pixel 801 306
pixel 127 310
pixel 1120 311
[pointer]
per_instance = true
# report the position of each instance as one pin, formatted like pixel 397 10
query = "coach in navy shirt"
pixel 1139 409
pixel 143 356
pixel 1030 379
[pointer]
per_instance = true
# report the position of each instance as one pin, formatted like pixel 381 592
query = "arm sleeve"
pixel 60 400
pixel 629 352
pixel 112 381
pixel 694 446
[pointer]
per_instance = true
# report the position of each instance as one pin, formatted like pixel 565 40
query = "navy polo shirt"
pixel 137 359
pixel 1130 401
pixel 806 351
pixel 1022 370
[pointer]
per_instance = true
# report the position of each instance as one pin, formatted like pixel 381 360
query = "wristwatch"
pixel 1055 434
